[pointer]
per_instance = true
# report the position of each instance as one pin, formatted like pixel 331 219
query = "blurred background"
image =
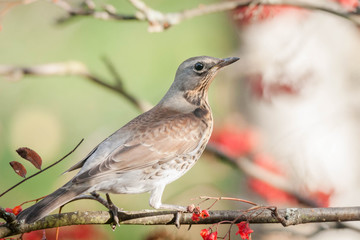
pixel 290 105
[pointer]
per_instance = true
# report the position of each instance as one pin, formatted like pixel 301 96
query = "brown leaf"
pixel 31 156
pixel 18 168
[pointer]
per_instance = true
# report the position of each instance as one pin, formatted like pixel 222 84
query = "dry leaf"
pixel 18 168
pixel 31 156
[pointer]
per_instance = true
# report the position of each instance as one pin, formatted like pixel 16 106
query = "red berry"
pixel 17 210
pixel 204 233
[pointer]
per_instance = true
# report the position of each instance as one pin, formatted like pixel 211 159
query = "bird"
pixel 152 150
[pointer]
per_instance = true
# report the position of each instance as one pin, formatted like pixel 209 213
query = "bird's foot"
pixel 114 210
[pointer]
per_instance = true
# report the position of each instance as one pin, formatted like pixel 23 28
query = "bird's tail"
pixel 49 203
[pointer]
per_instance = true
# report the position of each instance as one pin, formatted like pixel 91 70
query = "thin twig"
pixel 159 21
pixel 34 200
pixel 112 69
pixel 75 68
pixel 119 87
pixel 230 199
pixel 37 173
pixel 87 9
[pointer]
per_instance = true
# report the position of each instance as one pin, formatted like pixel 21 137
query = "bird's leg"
pixel 97 197
pixel 155 202
pixel 114 211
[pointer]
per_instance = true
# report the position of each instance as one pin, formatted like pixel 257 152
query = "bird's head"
pixel 195 75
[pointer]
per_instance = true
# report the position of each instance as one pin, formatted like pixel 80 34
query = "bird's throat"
pixel 196 97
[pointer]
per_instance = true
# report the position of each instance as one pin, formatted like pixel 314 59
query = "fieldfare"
pixel 150 151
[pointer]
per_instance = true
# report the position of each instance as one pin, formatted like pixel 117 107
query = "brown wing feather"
pixel 157 138
pixel 81 163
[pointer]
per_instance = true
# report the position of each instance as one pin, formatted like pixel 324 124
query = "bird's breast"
pixel 197 128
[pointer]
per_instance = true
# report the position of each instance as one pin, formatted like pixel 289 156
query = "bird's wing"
pixel 154 142
pixel 82 162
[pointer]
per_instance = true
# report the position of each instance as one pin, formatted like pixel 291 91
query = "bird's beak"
pixel 226 61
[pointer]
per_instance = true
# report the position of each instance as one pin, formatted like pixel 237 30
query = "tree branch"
pixel 88 9
pixel 74 68
pixel 291 216
pixel 159 21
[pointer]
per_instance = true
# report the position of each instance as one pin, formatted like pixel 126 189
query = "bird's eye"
pixel 199 66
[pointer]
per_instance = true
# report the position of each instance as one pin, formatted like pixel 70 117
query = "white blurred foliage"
pixel 313 131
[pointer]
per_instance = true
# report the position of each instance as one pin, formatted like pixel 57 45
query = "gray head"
pixel 195 75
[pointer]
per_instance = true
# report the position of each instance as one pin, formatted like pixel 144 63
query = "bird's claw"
pixel 114 210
